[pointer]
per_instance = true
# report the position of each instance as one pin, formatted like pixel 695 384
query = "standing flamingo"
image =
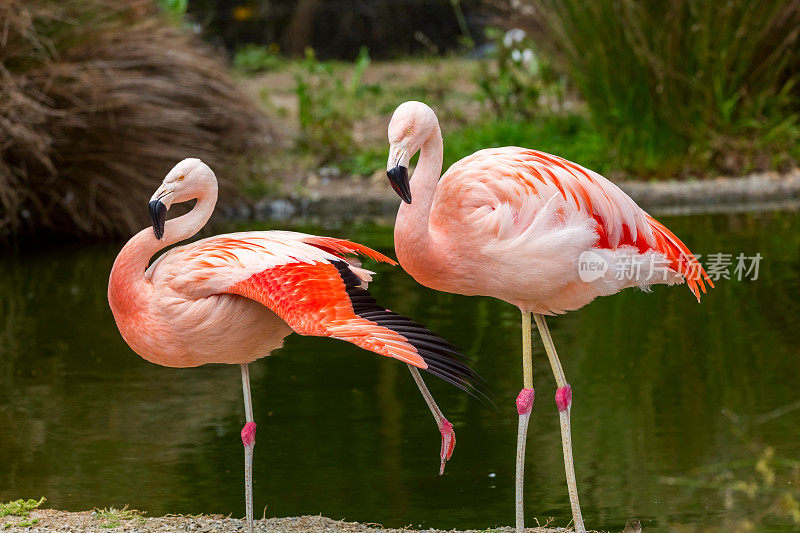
pixel 234 298
pixel 516 224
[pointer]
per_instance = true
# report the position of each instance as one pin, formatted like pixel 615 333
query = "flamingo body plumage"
pixel 233 298
pixel 515 224
pixel 512 223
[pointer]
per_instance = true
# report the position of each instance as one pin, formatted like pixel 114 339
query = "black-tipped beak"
pixel 158 216
pixel 398 177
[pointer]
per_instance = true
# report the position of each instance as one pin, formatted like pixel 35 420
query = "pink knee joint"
pixel 525 401
pixel 249 434
pixel 564 398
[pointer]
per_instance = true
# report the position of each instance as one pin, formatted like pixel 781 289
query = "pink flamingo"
pixel 234 298
pixel 518 225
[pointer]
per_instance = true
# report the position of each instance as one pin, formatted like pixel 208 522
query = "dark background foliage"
pixel 339 28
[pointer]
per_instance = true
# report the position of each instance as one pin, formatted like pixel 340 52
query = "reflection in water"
pixel 755 490
pixel 87 423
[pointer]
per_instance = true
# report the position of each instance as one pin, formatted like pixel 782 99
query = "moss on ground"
pixel 22 509
pixel 110 517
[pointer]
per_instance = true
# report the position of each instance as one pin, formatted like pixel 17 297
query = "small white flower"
pixel 530 61
pixel 512 37
pixel 527 56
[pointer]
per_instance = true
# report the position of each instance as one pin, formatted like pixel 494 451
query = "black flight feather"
pixel 443 359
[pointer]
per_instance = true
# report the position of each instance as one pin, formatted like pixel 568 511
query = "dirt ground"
pixel 99 521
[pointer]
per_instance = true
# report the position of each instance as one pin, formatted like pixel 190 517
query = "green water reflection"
pixel 344 433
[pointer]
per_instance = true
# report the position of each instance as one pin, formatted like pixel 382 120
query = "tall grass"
pixel 98 99
pixel 685 84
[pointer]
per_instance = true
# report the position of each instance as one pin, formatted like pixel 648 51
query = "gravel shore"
pixel 94 521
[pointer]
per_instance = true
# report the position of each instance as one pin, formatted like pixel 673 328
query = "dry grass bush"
pixel 98 99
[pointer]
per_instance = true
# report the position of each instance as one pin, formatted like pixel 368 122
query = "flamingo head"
pixel 189 179
pixel 411 126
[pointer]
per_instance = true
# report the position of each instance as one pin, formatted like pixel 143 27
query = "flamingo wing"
pixel 308 282
pixel 519 181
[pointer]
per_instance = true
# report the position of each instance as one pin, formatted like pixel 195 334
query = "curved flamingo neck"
pixel 185 226
pixel 127 287
pixel 411 231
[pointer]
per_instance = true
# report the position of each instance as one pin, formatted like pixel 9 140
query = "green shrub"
pixel 365 161
pixel 671 85
pixel 571 136
pixel 174 9
pixel 21 508
pixel 515 82
pixel 327 106
pixel 253 58
pixel 111 518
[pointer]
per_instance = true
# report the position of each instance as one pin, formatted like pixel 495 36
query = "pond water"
pixel 675 404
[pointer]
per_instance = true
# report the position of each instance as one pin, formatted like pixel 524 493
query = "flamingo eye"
pixel 408 131
pixel 181 177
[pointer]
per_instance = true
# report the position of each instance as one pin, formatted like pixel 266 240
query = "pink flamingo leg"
pixel 249 441
pixel 524 408
pixel 564 403
pixel 445 427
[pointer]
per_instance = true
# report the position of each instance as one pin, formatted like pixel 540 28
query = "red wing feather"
pixel 341 247
pixel 683 261
pixel 327 299
pixel 312 299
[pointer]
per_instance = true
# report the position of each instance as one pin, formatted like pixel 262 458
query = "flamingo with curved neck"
pixel 524 226
pixel 233 298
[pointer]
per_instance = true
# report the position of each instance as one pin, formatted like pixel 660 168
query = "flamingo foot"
pixel 448 442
